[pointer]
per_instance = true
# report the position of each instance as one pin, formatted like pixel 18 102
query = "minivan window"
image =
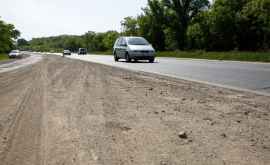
pixel 137 41
pixel 123 42
pixel 119 42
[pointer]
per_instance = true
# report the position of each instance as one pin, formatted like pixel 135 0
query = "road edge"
pixel 185 79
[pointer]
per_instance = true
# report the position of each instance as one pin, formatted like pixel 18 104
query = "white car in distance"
pixel 15 54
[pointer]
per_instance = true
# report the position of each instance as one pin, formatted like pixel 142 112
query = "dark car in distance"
pixel 82 51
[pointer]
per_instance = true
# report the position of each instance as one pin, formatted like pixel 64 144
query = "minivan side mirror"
pixel 123 45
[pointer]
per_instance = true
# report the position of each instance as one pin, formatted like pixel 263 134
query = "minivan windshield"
pixel 137 41
pixel 15 51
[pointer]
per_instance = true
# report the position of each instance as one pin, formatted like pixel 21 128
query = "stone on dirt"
pixel 182 135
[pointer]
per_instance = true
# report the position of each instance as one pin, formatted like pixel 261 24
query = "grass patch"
pixel 3 57
pixel 230 56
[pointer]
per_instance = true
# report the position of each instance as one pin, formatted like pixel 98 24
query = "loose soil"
pixel 62 112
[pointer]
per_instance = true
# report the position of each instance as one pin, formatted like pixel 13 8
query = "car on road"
pixel 136 48
pixel 15 54
pixel 82 51
pixel 66 52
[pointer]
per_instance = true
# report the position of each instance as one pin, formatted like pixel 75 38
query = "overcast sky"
pixel 37 18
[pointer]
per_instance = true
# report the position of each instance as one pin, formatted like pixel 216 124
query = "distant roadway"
pixel 238 75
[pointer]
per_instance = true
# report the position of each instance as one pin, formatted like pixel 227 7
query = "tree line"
pixel 221 25
pixel 91 40
pixel 8 35
pixel 197 24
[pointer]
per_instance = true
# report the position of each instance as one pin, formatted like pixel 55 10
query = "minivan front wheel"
pixel 128 59
pixel 115 57
pixel 151 60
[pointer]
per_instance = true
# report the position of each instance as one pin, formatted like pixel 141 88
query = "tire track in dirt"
pixel 24 131
pixel 9 133
pixel 68 89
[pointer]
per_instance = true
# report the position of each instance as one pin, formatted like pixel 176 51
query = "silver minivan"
pixel 136 48
pixel 15 54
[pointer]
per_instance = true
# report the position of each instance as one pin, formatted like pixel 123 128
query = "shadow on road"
pixel 138 62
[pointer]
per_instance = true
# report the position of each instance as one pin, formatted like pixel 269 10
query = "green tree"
pixel 109 39
pixel 8 35
pixel 222 23
pixel 129 26
pixel 152 22
pixel 94 41
pixel 72 43
pixel 254 25
pixel 180 13
pixel 198 33
pixel 195 37
pixel 21 43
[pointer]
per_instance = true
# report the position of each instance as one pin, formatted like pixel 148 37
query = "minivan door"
pixel 118 47
pixel 123 48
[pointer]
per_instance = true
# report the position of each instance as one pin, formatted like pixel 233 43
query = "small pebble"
pixel 247 113
pixel 182 135
pixel 224 135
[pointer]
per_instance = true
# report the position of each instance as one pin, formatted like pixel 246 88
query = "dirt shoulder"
pixel 6 59
pixel 13 64
pixel 63 111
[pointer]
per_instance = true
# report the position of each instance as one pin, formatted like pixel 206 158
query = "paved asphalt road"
pixel 250 76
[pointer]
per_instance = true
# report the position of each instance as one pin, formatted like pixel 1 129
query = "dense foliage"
pixel 195 24
pixel 182 25
pixel 8 34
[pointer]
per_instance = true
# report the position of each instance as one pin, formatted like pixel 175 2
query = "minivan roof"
pixel 15 50
pixel 131 37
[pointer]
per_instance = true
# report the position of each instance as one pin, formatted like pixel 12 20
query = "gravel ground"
pixel 62 112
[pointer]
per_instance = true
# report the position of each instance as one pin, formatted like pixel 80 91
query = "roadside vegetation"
pixel 8 35
pixel 3 57
pixel 241 29
pixel 230 56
